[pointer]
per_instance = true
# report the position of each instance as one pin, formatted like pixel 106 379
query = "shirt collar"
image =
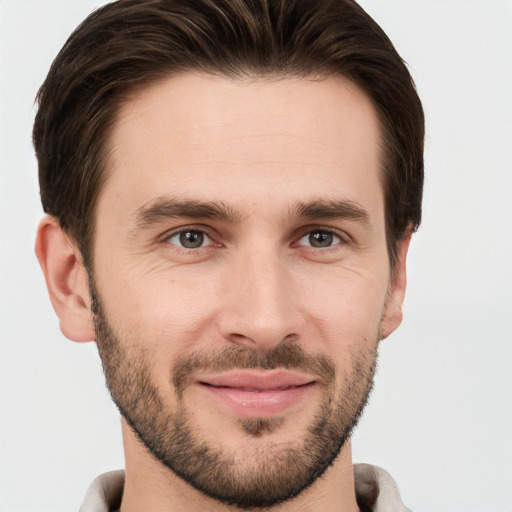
pixel 376 491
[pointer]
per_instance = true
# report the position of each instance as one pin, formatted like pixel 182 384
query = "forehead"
pixel 245 141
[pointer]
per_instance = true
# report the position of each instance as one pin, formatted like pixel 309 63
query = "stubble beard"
pixel 267 473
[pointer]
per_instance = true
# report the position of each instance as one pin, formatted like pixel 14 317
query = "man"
pixel 231 189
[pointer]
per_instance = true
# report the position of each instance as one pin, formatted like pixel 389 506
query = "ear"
pixel 66 279
pixel 396 291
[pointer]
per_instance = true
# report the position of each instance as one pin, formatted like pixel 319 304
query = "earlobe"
pixel 396 293
pixel 66 279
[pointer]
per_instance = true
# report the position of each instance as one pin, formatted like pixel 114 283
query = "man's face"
pixel 240 274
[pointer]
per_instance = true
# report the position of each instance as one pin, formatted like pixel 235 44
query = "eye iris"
pixel 191 239
pixel 321 239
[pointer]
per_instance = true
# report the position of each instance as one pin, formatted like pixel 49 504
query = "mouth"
pixel 253 394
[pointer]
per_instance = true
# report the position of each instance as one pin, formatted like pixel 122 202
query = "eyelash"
pixel 343 238
pixel 182 230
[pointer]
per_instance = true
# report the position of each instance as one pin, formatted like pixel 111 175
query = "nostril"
pixel 240 338
pixel 263 341
pixel 291 338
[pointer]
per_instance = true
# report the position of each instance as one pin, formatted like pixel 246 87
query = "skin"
pixel 258 148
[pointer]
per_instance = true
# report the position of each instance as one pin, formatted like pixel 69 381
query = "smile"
pixel 250 394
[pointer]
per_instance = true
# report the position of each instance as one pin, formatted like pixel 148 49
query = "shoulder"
pixel 376 490
pixel 104 493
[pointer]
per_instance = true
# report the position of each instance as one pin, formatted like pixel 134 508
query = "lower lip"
pixel 251 404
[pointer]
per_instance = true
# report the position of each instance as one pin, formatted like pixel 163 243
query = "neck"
pixel 152 487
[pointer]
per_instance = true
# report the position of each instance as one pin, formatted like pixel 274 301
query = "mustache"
pixel 289 356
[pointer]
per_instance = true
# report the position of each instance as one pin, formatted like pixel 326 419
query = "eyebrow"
pixel 333 209
pixel 164 208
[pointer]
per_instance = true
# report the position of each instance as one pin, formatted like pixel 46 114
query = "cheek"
pixel 174 310
pixel 346 308
pixel 166 312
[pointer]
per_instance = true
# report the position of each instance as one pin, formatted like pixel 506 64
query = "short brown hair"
pixel 129 44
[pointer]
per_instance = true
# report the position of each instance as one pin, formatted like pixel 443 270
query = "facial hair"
pixel 262 477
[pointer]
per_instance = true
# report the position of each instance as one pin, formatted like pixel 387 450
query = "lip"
pixel 254 394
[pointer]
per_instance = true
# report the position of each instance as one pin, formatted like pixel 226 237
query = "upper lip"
pixel 253 380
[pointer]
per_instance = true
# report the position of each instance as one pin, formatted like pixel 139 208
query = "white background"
pixel 440 419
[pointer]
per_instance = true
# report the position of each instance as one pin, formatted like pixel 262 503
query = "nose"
pixel 260 305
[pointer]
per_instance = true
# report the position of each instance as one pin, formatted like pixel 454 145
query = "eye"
pixel 320 239
pixel 189 239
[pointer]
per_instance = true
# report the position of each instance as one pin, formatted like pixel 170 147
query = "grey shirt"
pixel 376 491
